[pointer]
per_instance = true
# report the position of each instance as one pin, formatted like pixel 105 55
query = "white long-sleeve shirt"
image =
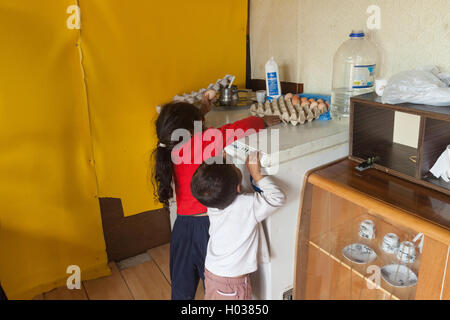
pixel 236 237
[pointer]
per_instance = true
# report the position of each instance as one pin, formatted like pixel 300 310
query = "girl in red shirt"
pixel 190 232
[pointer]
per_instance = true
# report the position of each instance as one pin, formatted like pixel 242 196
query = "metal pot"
pixel 229 96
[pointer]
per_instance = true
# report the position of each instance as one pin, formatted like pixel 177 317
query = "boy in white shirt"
pixel 235 218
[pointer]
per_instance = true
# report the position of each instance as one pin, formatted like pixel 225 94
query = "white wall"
pixel 274 32
pixel 303 36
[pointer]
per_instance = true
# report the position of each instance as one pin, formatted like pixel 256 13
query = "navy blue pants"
pixel 188 244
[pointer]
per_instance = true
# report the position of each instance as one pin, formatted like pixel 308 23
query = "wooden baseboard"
pixel 286 87
pixel 126 237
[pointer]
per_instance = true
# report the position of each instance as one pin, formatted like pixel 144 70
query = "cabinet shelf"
pixel 332 230
pixel 386 294
pixel 372 135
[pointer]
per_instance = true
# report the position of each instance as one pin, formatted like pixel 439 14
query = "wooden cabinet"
pixel 336 199
pixel 372 136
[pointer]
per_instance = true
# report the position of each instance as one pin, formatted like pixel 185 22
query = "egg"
pixel 322 107
pixel 304 99
pixel 288 96
pixel 305 104
pixel 295 100
pixel 311 100
pixel 319 100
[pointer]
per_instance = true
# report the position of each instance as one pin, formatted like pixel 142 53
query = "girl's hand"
pixel 270 121
pixel 254 166
pixel 209 97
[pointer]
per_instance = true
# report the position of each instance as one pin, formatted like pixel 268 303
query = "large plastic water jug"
pixel 354 72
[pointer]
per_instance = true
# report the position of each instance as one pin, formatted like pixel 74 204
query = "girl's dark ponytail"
pixel 177 115
pixel 163 172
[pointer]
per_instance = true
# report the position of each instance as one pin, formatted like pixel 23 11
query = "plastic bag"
pixel 416 86
pixel 441 168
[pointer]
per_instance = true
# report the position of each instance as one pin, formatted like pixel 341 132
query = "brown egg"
pixel 322 107
pixel 304 99
pixel 311 100
pixel 305 104
pixel 319 100
pixel 295 100
pixel 288 96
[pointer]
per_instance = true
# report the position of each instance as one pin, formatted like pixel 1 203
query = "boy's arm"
pixel 271 197
pixel 269 200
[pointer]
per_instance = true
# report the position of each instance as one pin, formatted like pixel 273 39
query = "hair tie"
pixel 162 145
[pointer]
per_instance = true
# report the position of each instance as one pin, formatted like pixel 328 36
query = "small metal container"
pixel 229 96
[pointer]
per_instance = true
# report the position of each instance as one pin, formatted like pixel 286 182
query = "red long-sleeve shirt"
pixel 200 147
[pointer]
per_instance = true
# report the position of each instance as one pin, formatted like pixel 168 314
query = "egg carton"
pixel 196 96
pixel 293 109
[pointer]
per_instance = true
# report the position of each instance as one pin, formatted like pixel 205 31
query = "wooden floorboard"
pixel 146 282
pixel 161 255
pixel 200 294
pixel 63 293
pixel 112 287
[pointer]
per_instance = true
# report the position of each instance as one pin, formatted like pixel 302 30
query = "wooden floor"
pixel 149 280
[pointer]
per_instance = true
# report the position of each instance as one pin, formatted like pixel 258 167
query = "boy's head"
pixel 216 185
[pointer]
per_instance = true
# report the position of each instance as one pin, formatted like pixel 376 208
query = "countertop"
pixel 294 141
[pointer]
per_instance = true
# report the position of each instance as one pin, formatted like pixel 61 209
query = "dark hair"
pixel 175 115
pixel 215 185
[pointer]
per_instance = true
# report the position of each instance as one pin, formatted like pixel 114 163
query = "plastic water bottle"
pixel 354 72
pixel 273 79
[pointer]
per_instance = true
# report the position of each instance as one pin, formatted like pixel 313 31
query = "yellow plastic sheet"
pixel 57 116
pixel 139 54
pixel 49 216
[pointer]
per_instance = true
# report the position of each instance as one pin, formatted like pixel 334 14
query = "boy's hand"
pixel 254 166
pixel 209 97
pixel 270 121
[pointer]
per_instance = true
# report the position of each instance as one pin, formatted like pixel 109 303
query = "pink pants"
pixel 224 288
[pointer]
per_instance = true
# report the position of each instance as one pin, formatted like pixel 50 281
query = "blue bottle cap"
pixel 357 34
